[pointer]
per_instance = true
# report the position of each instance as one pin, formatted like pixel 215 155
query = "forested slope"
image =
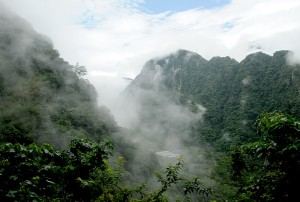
pixel 233 93
pixel 180 105
pixel 43 97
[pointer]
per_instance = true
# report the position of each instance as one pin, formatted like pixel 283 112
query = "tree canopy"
pixel 268 169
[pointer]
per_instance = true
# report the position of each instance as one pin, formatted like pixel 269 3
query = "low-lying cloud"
pixel 116 37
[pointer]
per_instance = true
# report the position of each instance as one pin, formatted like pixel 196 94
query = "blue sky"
pixel 159 6
pixel 88 20
pixel 114 38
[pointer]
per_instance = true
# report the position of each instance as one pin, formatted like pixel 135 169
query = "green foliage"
pixel 14 131
pixel 43 98
pixel 82 173
pixel 40 173
pixel 268 169
pixel 233 93
pixel 172 177
pixel 226 188
pixel 80 71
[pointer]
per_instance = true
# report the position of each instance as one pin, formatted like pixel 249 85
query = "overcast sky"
pixel 114 38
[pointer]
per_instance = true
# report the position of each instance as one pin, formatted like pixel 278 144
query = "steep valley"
pixel 179 105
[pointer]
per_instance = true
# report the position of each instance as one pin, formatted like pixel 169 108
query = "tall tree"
pixel 268 169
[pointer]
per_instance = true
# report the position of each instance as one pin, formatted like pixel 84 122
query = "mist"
pixel 113 39
pixel 161 127
pixel 150 120
pixel 42 98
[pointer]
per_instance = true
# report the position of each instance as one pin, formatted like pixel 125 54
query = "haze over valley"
pixel 124 100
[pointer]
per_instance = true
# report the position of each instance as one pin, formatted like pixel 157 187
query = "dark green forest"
pixel 44 98
pixel 234 94
pixel 232 129
pixel 230 98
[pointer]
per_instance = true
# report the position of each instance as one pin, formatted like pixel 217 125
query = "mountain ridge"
pixel 234 93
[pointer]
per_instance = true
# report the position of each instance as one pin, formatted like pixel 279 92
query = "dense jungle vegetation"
pixel 242 119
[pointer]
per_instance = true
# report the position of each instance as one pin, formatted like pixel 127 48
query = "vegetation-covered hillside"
pixel 52 130
pixel 42 97
pixel 234 94
pixel 250 159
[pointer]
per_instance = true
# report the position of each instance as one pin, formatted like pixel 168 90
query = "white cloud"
pixel 115 39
